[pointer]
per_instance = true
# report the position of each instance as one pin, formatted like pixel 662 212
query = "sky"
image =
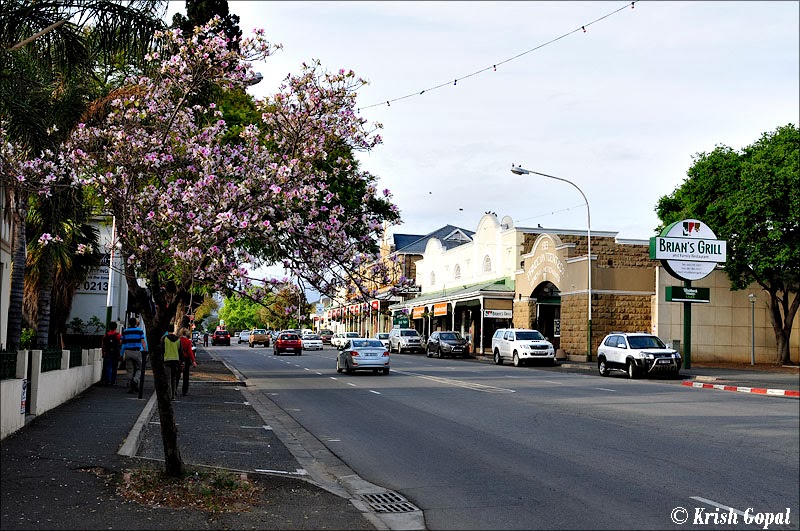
pixel 619 109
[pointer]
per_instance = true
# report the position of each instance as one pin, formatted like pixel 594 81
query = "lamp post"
pixel 752 298
pixel 519 170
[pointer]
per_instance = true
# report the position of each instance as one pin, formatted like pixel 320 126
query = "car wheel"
pixel 338 368
pixel 386 370
pixel 347 368
pixel 497 359
pixel 602 368
pixel 631 370
pixel 251 345
pixel 676 374
pixel 439 352
pixel 299 352
pixel 517 363
pixel 428 353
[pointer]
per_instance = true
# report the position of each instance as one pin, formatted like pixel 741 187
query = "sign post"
pixel 688 250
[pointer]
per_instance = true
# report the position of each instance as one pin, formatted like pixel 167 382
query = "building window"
pixel 487 264
pixel 457 272
pixel 433 278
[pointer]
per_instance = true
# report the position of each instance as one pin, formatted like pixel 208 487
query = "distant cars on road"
pixel 311 342
pixel 288 342
pixel 341 338
pixel 446 344
pixel 521 346
pixel 401 339
pixel 258 336
pixel 220 337
pixel 361 354
pixel 243 337
pixel 384 338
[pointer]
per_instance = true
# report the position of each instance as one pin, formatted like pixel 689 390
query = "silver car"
pixel 363 355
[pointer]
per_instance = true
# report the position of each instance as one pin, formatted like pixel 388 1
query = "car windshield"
pixel 450 336
pixel 364 343
pixel 259 331
pixel 310 336
pixel 221 333
pixel 383 336
pixel 529 335
pixel 289 337
pixel 408 333
pixel 351 334
pixel 645 342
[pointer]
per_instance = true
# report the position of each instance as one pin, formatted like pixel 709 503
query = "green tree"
pixel 752 199
pixel 239 313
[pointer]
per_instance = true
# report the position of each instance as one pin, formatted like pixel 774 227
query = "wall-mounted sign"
pixel 409 289
pixel 440 308
pixel 400 320
pixel 498 314
pixel 684 294
pixel 688 249
pixel 417 312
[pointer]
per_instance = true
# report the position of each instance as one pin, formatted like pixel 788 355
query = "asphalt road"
pixel 478 446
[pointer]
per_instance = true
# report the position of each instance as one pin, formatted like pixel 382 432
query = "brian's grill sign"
pixel 688 249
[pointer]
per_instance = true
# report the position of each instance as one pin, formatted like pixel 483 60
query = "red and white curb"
pixel 738 389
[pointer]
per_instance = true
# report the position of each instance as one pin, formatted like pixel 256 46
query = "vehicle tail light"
pixel 354 353
pixel 385 353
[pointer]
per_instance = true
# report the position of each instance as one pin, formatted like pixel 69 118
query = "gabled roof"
pixel 450 236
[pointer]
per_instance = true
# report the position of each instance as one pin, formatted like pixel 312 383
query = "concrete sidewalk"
pixel 61 470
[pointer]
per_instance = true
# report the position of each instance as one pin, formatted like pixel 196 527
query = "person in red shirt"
pixel 111 347
pixel 188 360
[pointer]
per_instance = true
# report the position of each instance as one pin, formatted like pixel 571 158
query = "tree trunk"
pixel 173 464
pixel 19 204
pixel 45 298
pixel 782 316
pixel 157 325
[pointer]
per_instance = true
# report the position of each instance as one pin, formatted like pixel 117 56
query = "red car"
pixel 221 337
pixel 288 342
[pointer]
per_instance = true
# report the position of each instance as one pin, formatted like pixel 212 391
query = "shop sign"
pixel 400 320
pixel 688 249
pixel 498 314
pixel 404 290
pixel 684 294
pixel 440 308
pixel 376 305
pixel 417 312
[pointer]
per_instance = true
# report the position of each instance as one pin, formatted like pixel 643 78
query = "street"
pixel 479 446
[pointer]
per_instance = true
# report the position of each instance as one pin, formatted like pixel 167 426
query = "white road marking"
pixel 265 427
pixel 552 382
pixel 458 383
pixel 604 389
pixel 306 369
pixel 298 472
pixel 376 392
pixel 351 384
pixel 715 504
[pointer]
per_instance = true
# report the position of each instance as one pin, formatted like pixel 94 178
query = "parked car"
pixel 405 339
pixel 258 336
pixel 220 337
pixel 521 346
pixel 341 338
pixel 360 354
pixel 383 337
pixel 446 344
pixel 326 336
pixel 287 342
pixel 244 337
pixel 636 353
pixel 311 342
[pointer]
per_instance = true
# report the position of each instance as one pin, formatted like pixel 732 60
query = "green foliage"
pixel 77 325
pixel 26 338
pixel 96 323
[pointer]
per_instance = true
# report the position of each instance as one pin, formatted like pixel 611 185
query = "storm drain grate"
pixel 389 502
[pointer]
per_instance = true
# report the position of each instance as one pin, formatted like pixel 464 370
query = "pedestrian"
pixel 111 348
pixel 187 361
pixel 133 343
pixel 205 339
pixel 172 359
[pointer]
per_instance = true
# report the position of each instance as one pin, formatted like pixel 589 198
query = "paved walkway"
pixel 61 470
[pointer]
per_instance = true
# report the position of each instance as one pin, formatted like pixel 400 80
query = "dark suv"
pixel 221 337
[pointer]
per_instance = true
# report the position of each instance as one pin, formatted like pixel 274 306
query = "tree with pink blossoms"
pixel 198 210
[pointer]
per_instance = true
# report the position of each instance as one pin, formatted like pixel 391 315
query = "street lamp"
pixel 752 298
pixel 519 170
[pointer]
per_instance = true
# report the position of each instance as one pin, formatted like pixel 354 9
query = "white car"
pixel 243 336
pixel 383 337
pixel 636 353
pixel 341 338
pixel 311 342
pixel 521 346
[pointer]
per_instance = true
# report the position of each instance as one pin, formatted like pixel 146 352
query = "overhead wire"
pixel 494 66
